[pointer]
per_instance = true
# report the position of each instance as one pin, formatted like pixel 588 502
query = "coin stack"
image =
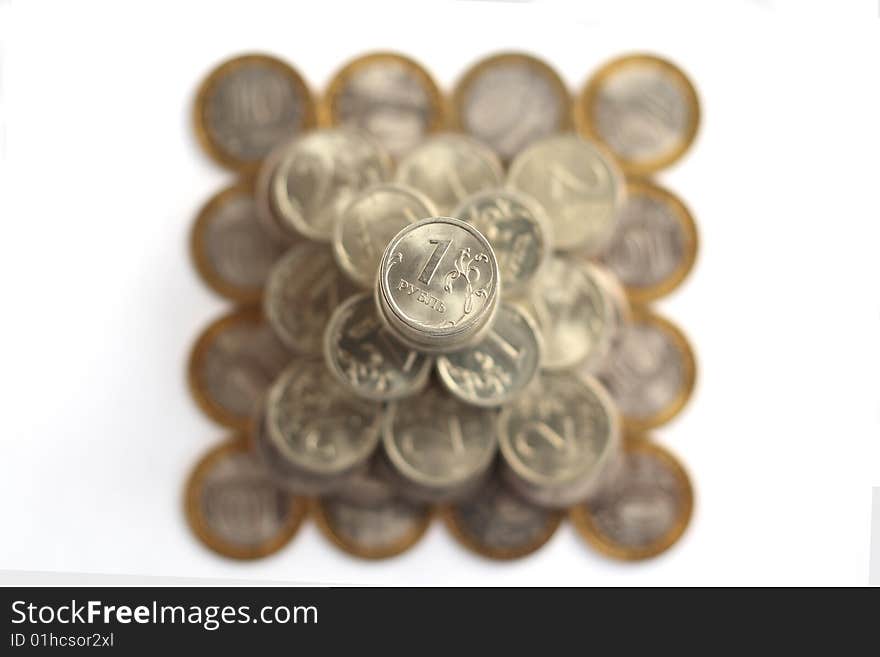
pixel 443 306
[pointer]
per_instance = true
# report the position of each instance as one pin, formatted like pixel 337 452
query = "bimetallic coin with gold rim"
pixel 231 249
pixel 517 129
pixel 415 517
pixel 650 214
pixel 650 151
pixel 301 113
pixel 282 509
pixel 598 533
pixel 380 92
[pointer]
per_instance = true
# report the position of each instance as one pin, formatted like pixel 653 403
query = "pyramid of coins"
pixel 443 306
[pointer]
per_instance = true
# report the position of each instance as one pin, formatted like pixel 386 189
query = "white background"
pixel 101 177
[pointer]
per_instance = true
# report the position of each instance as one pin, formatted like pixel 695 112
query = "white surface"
pixel 101 179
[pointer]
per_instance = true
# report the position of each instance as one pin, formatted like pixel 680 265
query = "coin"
pixel 286 473
pixel 362 354
pixel 388 95
pixel 651 372
pixel 235 509
pixel 620 314
pixel 500 367
pixel 643 108
pixel 232 364
pixel 578 186
pixel 231 250
pixel 654 244
pixel 499 524
pixel 369 222
pixel 320 173
pixel 511 100
pixel 438 282
pixel 303 290
pixel 573 312
pixel 516 228
pixel 448 168
pixel 557 438
pixel 376 532
pixel 247 105
pixel 319 427
pixel 268 213
pixel 643 510
pixel 438 444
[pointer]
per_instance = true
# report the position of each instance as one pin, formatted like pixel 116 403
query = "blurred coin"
pixel 286 473
pixel 369 222
pixel 268 213
pixel 247 105
pixel 235 509
pixel 643 510
pixel 362 354
pixel 650 374
pixel 375 532
pixel 654 244
pixel 304 288
pixel 232 364
pixel 516 228
pixel 448 168
pixel 438 444
pixel 316 424
pixel 575 315
pixel 438 280
pixel 318 176
pixel 388 95
pixel 578 186
pixel 499 524
pixel 643 108
pixel 500 367
pixel 232 251
pixel 557 438
pixel 511 100
pixel 621 314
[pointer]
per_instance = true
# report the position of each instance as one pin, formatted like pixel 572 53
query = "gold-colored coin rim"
pixel 327 105
pixel 203 133
pixel 251 314
pixel 198 251
pixel 398 547
pixel 643 315
pixel 585 102
pixel 642 295
pixel 449 515
pixel 199 526
pixel 532 62
pixel 582 519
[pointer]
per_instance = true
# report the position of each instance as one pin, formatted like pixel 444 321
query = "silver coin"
pixel 370 222
pixel 500 524
pixel 557 438
pixel 510 101
pixel 233 363
pixel 654 243
pixel 232 249
pixel 320 174
pixel 439 280
pixel 288 474
pixel 620 314
pixel 303 290
pixel 578 186
pixel 500 367
pixel 650 373
pixel 448 168
pixel 389 97
pixel 250 104
pixel 317 424
pixel 574 315
pixel 516 228
pixel 363 355
pixel 437 443
pixel 239 504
